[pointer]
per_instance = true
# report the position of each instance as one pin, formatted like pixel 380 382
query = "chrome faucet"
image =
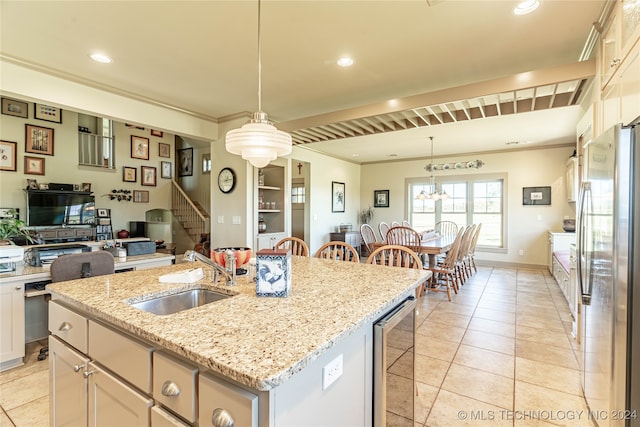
pixel 229 273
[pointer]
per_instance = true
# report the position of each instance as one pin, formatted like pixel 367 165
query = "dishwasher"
pixel 394 364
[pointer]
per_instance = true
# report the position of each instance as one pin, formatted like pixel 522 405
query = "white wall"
pixel 527 225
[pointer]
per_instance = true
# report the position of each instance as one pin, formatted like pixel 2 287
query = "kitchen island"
pixel 270 352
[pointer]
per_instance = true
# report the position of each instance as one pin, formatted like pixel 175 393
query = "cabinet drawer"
pixel 123 355
pixel 218 395
pixel 85 232
pixel 66 233
pixel 48 234
pixel 68 326
pixel 161 418
pixel 174 385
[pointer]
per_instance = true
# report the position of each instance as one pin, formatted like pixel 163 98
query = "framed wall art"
pixel 103 213
pixel 12 107
pixel 48 113
pixel 164 150
pixel 381 198
pixel 86 186
pixel 158 133
pixel 185 162
pixel 536 195
pixel 337 196
pixel 34 165
pixel 38 140
pixel 139 147
pixel 129 174
pixel 165 169
pixel 148 175
pixel 32 184
pixel 140 196
pixel 8 156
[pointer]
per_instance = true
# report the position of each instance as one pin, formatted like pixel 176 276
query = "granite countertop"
pixel 257 341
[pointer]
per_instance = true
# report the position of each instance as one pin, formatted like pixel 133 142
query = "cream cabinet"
pixel 12 325
pixel 69 400
pixel 272 203
pixel 221 401
pixel 268 240
pixel 559 241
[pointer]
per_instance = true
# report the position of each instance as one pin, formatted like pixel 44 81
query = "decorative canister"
pixel 122 254
pixel 262 226
pixel 123 234
pixel 273 273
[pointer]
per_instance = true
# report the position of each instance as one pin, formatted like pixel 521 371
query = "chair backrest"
pixel 446 227
pixel 452 255
pixel 296 245
pixel 395 224
pixel 383 227
pixel 406 223
pixel 404 236
pixel 79 266
pixel 395 256
pixel 368 236
pixel 474 239
pixel 466 241
pixel 339 251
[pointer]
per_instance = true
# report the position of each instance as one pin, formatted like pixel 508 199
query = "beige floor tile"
pixel 480 385
pixel 437 348
pixel 394 420
pixel 497 314
pixel 505 306
pixel 462 309
pixel 549 312
pixel 525 421
pixel 486 360
pixel 550 405
pixel 549 376
pixel 451 409
pixel 4 420
pixel 440 331
pixel 398 401
pixel 493 327
pixel 35 413
pixel 542 336
pixel 498 297
pixel 546 354
pixel 24 390
pixel 539 322
pixel 424 401
pixel 508 292
pixel 449 319
pixel 430 371
pixel 489 341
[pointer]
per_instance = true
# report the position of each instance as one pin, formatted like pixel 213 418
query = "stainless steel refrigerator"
pixel 609 275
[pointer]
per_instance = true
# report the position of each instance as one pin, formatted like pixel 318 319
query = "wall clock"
pixel 226 180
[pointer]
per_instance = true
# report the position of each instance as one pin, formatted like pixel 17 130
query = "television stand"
pixel 68 234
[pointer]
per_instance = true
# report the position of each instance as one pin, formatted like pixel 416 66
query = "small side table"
pixel 167 248
pixel 351 237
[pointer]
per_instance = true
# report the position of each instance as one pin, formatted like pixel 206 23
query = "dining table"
pixel 430 245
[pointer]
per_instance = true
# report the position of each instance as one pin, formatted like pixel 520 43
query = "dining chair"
pixel 444 272
pixel 461 262
pixel 79 266
pixel 471 254
pixel 406 223
pixel 339 251
pixel 396 256
pixel 446 227
pixel 395 224
pixel 368 237
pixel 383 227
pixel 295 244
pixel 404 236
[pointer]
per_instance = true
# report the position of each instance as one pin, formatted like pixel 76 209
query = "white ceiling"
pixel 201 56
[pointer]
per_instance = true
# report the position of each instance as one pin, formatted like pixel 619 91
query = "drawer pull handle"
pixel 169 388
pixel 64 327
pixel 87 374
pixel 76 368
pixel 222 418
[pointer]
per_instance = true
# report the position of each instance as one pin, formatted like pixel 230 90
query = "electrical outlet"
pixel 331 372
pixel 521 252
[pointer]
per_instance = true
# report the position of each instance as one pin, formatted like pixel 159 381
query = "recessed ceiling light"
pixel 392 155
pixel 526 6
pixel 512 143
pixel 345 62
pixel 101 58
pixel 355 155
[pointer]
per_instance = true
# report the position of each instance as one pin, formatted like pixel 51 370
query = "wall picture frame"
pixel 148 175
pixel 157 133
pixel 140 196
pixel 38 140
pixel 165 170
pixel 536 196
pixel 34 166
pixel 47 113
pixel 381 198
pixel 86 187
pixel 102 213
pixel 8 156
pixel 164 150
pixel 13 107
pixel 32 184
pixel 337 196
pixel 185 162
pixel 139 147
pixel 129 174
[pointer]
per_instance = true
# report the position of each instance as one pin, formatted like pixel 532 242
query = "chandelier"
pixel 432 193
pixel 258 141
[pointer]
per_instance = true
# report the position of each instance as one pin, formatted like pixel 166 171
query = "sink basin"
pixel 169 304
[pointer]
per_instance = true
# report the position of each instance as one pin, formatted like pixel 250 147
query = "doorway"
pixel 299 199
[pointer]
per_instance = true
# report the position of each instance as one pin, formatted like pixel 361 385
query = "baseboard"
pixel 502 264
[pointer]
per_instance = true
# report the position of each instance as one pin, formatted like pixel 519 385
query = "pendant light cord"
pixel 259 63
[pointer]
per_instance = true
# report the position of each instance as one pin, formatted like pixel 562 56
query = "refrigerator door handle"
pixel 585 285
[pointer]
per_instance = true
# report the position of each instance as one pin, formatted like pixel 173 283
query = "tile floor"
pixel 498 354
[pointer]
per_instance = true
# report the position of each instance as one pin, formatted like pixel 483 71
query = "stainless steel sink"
pixel 169 304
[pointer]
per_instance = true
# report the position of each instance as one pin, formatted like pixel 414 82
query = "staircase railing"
pixel 186 212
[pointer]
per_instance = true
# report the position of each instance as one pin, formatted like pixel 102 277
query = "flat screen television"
pixel 55 208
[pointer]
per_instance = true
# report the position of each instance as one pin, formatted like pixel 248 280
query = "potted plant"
pixel 12 230
pixel 366 215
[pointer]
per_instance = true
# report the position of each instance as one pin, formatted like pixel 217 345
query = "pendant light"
pixel 433 193
pixel 258 141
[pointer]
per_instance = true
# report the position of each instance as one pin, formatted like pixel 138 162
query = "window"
pixel 96 149
pixel 472 199
pixel 206 163
pixel 297 193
